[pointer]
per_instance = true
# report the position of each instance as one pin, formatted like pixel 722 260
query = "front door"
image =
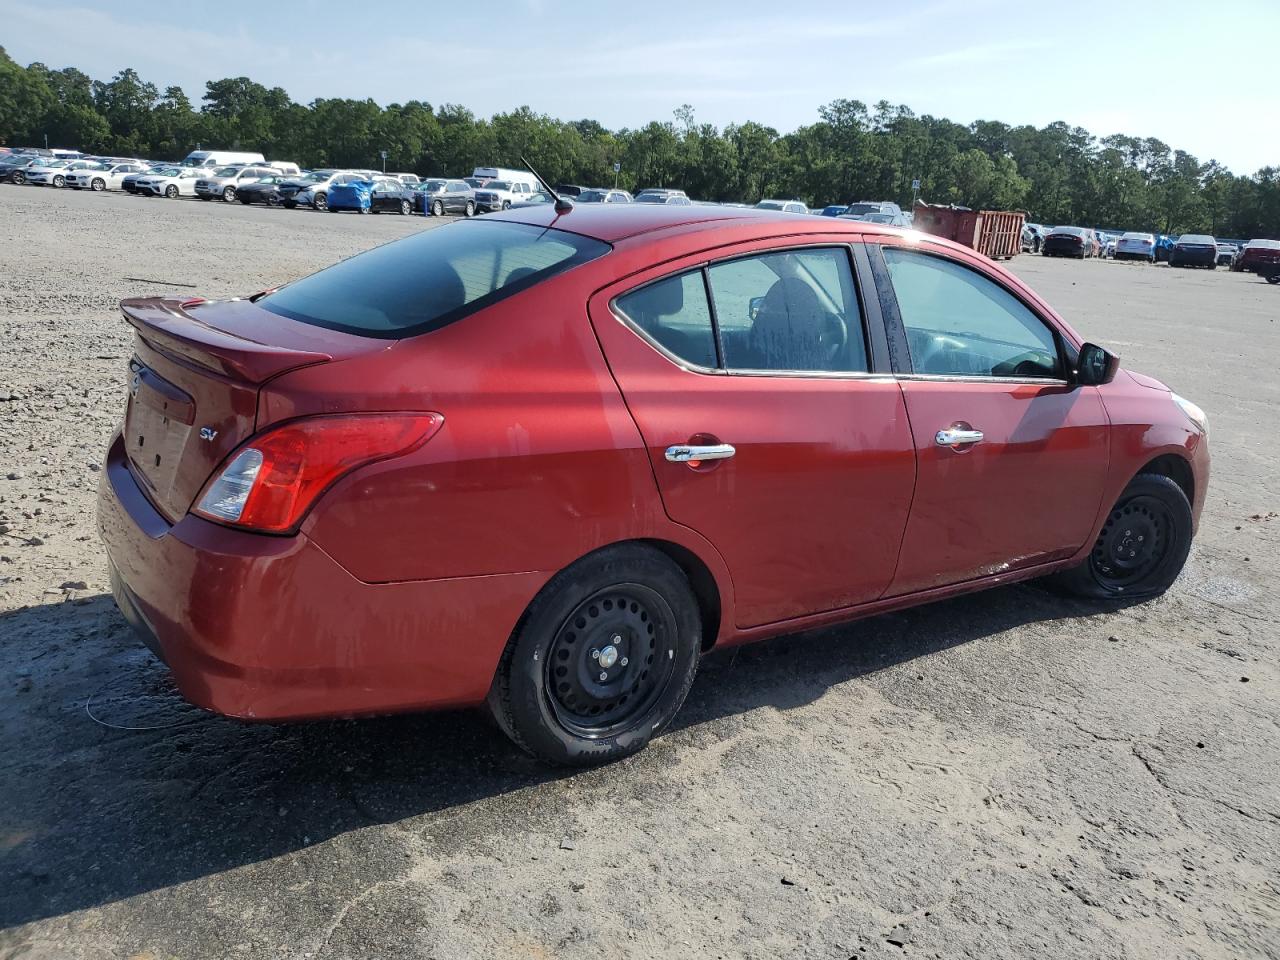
pixel 749 380
pixel 1012 456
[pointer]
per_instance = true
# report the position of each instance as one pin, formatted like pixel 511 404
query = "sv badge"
pixel 207 433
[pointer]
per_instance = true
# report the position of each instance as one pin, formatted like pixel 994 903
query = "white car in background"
pixel 786 206
pixel 221 183
pixel 104 176
pixel 501 194
pixel 170 182
pixel 55 172
pixel 1135 245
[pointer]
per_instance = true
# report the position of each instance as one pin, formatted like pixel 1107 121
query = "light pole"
pixel 616 168
pixel 384 161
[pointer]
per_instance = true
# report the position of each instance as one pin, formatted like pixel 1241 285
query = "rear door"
pixel 773 428
pixel 1012 455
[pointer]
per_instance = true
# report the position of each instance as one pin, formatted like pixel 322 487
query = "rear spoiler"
pixel 171 328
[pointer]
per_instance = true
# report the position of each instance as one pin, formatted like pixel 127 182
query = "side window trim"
pixel 900 349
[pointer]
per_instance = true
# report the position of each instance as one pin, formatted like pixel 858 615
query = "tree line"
pixel 1058 174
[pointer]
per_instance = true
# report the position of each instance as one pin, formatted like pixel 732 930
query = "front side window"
pixel 789 310
pixel 960 323
pixel 432 278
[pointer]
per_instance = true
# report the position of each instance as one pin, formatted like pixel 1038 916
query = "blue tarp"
pixel 357 195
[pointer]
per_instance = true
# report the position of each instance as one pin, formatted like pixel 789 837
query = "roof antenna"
pixel 563 204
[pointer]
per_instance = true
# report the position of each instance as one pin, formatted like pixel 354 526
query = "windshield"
pixel 769 205
pixel 857 209
pixel 431 186
pixel 878 218
pixel 166 172
pixel 1073 231
pixel 651 198
pixel 1195 238
pixel 1263 245
pixel 497 185
pixel 226 171
pixel 431 279
pixel 592 196
pixel 1138 236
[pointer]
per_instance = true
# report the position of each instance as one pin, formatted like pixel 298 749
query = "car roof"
pixel 612 223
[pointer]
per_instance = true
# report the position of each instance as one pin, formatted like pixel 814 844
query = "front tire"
pixel 602 660
pixel 228 194
pixel 406 208
pixel 506 204
pixel 171 191
pixel 321 201
pixel 1141 548
pixel 98 185
pixel 437 209
pixel 471 208
pixel 59 181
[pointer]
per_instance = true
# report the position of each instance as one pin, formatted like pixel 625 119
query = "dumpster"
pixel 993 233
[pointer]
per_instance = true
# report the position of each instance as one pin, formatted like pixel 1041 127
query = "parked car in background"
pixel 129 183
pixel 221 158
pixel 408 179
pixel 365 532
pixel 1033 237
pixel 1076 242
pixel 1164 247
pixel 873 206
pixel 354 195
pixel 54 173
pixel 884 219
pixel 833 210
pixel 265 191
pixel 507 175
pixel 104 176
pixel 602 195
pixel 1136 245
pixel 391 195
pixel 1256 256
pixel 171 182
pixel 501 194
pixel 571 190
pixel 676 198
pixel 1194 250
pixel 1227 253
pixel 785 206
pixel 282 167
pixel 221 183
pixel 14 169
pixel 312 189
pixel 438 197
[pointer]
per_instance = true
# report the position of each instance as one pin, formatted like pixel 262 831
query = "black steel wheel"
pixel 1143 544
pixel 602 659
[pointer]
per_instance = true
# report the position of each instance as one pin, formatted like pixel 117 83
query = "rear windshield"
pixel 431 279
pixel 1073 231
pixel 860 208
pixel 1199 238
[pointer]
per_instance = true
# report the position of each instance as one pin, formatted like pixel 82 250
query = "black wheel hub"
pixel 1133 542
pixel 610 660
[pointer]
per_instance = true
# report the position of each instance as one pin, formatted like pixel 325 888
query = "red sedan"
pixel 545 461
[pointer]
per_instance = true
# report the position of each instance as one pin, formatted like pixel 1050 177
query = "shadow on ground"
pixel 91 814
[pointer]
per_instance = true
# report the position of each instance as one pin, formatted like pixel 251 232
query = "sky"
pixel 1197 74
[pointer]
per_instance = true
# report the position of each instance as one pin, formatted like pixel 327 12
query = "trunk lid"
pixel 194 381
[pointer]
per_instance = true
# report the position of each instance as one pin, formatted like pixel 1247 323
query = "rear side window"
pixel 959 323
pixel 431 279
pixel 675 315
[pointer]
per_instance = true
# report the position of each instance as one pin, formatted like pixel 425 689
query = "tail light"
pixel 271 481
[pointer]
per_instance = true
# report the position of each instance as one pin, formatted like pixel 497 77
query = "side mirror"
pixel 1096 366
pixel 753 307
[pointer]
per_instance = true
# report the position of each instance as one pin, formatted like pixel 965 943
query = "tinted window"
pixel 674 313
pixel 960 323
pixel 790 310
pixel 432 278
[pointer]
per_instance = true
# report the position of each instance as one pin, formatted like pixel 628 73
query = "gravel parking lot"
pixel 1001 776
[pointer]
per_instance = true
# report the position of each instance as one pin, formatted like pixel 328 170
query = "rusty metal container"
pixel 994 233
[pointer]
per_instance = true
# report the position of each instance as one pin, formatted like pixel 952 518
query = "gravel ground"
pixel 1005 775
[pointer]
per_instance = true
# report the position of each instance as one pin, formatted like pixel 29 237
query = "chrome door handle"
pixel 953 437
pixel 683 453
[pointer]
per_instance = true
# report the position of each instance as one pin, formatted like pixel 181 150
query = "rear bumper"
pixel 274 628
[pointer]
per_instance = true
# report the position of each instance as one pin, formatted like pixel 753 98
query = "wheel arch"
pixel 1177 468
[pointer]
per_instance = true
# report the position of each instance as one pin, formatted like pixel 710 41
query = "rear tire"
pixel 245 200
pixel 629 604
pixel 1141 548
